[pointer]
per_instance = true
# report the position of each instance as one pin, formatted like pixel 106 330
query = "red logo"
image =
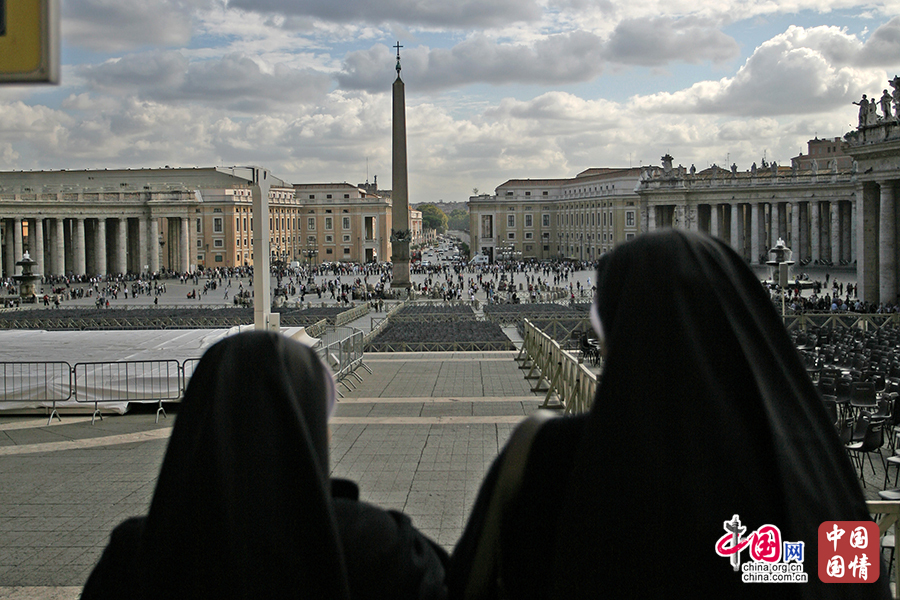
pixel 849 552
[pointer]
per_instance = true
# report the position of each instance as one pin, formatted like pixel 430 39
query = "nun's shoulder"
pixel 386 556
pixel 112 577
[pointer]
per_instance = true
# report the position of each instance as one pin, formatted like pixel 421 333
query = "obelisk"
pixel 400 233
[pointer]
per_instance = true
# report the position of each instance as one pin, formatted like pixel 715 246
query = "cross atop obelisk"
pixel 400 233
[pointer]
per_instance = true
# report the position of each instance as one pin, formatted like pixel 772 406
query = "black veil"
pixel 704 411
pixel 242 506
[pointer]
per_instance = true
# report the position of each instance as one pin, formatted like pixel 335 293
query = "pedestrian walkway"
pixel 417 435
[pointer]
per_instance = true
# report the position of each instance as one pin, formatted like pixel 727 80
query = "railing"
pixel 342 349
pixel 95 383
pixel 887 515
pixel 384 322
pixel 351 315
pixel 574 384
pixel 851 320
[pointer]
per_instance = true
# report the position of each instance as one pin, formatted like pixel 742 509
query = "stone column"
pixel 185 254
pixel 835 233
pixel 736 241
pixel 102 269
pixel 59 247
pixel 887 251
pixel 814 230
pixel 143 247
pixel 714 220
pixel 867 221
pixel 9 250
pixel 80 266
pixel 651 217
pixel 803 236
pixel 777 217
pixel 18 250
pixel 795 230
pixel 154 245
pixel 121 245
pixel 851 219
pixel 38 233
pixel 846 230
pixel 754 233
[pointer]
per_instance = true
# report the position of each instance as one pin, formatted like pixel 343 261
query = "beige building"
pixel 99 222
pixel 577 218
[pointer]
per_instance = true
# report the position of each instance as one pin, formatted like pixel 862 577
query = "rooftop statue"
pixel 863 111
pixel 895 83
pixel 886 105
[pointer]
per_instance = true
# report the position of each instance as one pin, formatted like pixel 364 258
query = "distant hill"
pixel 447 207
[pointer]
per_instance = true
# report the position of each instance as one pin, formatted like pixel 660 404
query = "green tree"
pixel 433 218
pixel 458 220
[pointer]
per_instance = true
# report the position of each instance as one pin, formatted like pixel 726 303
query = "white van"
pixel 479 260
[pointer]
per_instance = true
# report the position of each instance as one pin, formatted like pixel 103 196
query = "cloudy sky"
pixel 496 89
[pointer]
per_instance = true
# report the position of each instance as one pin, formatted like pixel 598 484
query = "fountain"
pixel 27 279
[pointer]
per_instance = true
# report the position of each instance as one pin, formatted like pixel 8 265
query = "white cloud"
pixel 116 25
pixel 799 72
pixel 235 81
pixel 434 13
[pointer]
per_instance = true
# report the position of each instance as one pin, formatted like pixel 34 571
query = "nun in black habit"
pixel 704 411
pixel 243 506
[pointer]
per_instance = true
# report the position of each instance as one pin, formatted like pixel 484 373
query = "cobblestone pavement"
pixel 417 435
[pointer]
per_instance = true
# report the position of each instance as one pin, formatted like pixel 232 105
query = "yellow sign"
pixel 29 41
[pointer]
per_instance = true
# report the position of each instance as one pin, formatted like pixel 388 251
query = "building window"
pixel 347 196
pixel 312 196
pixel 509 193
pixel 528 221
pixel 545 220
pixel 311 240
pixel 218 258
pixel 527 193
pixel 511 235
pixel 629 236
pixel 545 194
pixel 329 239
pixel 217 225
pixel 328 196
pixel 329 251
pixel 346 251
pixel 311 223
pixel 629 218
pixel 329 223
pixel 510 220
pixel 218 243
pixel 346 222
pixel 346 238
pixel 529 235
pixel 199 226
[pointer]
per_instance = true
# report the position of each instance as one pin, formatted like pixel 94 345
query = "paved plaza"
pixel 417 435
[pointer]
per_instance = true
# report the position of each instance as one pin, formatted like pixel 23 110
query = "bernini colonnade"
pixel 826 215
pixel 96 233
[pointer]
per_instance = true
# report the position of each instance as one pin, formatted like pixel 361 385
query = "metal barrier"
pixel 351 315
pixel 861 321
pixel 574 384
pixel 36 382
pixel 342 350
pixel 128 381
pixel 887 515
pixel 95 382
